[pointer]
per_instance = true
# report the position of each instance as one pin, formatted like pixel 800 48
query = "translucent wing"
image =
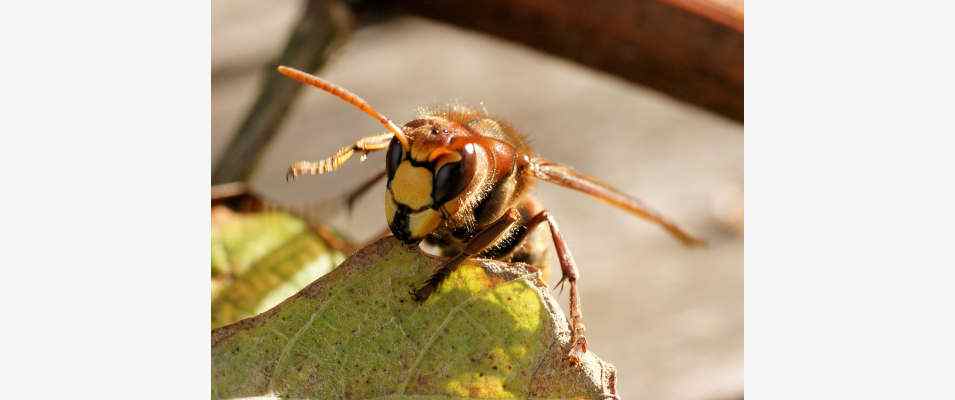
pixel 567 177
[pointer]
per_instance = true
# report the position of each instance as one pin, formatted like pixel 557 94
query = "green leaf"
pixel 260 259
pixel 491 330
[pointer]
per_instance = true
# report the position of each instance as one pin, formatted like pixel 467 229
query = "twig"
pixel 689 49
pixel 321 29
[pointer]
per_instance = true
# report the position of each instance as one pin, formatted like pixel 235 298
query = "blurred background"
pixel 669 318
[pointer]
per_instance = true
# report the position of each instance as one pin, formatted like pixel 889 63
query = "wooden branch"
pixel 689 49
pixel 321 28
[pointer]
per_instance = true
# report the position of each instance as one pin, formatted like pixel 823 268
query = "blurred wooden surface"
pixel 670 319
pixel 689 49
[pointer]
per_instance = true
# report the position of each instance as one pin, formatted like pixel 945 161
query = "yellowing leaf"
pixel 489 331
pixel 260 259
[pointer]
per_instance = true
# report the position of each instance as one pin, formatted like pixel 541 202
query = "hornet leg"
pixel 488 236
pixel 569 275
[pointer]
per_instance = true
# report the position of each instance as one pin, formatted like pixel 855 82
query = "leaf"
pixel 491 330
pixel 260 259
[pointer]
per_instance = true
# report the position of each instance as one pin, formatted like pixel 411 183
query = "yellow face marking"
pixel 423 222
pixel 390 207
pixel 445 154
pixel 412 186
pixel 420 152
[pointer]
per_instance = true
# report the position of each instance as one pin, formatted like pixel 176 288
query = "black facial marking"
pixel 422 164
pixel 393 158
pixel 400 224
pixel 447 183
pixel 452 178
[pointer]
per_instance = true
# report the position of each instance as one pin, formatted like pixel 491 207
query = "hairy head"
pixel 427 177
